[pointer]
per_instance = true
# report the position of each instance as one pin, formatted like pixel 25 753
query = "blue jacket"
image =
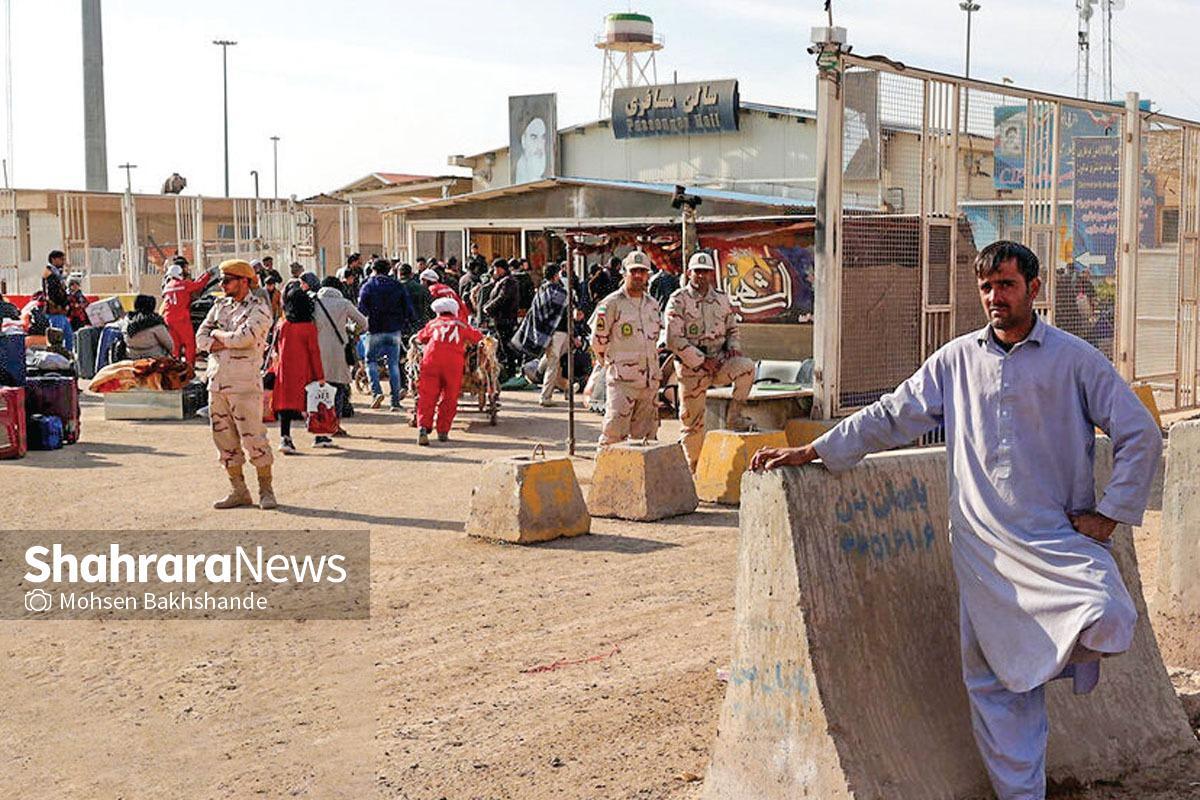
pixel 386 304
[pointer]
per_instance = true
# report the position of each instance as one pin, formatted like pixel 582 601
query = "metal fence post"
pixel 827 237
pixel 1125 345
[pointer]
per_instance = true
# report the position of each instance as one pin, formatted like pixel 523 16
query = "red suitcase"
pixel 57 396
pixel 13 439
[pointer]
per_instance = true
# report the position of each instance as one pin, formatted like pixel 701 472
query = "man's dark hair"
pixel 452 261
pixel 422 260
pixel 614 263
pixel 331 282
pixel 991 257
pixel 179 260
pixel 265 259
pixel 56 254
pixel 500 262
pixel 406 270
pixel 381 266
pixel 552 270
pixel 350 259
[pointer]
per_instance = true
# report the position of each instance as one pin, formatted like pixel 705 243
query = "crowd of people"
pixel 270 337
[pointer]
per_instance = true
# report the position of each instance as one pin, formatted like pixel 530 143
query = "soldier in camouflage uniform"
pixel 627 326
pixel 702 332
pixel 235 335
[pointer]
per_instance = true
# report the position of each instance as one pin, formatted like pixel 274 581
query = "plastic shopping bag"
pixel 321 401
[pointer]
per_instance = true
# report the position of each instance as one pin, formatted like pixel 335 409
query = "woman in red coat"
pixel 297 363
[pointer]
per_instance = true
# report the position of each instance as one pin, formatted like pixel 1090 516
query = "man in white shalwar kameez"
pixel 1040 595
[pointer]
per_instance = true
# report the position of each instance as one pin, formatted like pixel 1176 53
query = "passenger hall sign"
pixel 675 109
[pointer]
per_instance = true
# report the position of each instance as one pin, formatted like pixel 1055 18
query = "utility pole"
pixel 275 148
pixel 129 168
pixel 225 44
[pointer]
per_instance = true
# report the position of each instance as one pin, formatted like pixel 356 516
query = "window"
pixel 1170 226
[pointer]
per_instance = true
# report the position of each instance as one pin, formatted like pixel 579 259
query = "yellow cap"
pixel 241 269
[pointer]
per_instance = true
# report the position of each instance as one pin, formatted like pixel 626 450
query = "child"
pixel 444 339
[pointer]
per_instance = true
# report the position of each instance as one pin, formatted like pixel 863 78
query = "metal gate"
pixel 73 222
pixel 935 167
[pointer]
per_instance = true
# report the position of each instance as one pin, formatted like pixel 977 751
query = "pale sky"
pixel 363 85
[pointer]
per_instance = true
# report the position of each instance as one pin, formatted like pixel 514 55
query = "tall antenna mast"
pixel 1107 7
pixel 1083 63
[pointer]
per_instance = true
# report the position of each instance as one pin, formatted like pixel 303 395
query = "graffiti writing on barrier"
pixel 780 678
pixel 908 497
pixel 888 544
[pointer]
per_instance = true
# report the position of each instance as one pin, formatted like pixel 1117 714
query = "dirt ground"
pixel 583 668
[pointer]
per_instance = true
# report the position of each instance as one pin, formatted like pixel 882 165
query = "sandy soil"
pixel 579 669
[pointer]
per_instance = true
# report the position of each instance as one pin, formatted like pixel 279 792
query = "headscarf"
pixel 445 305
pixel 143 317
pixel 297 305
pixel 310 281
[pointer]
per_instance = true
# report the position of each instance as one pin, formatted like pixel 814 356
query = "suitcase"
pixel 87 342
pixel 53 395
pixel 45 432
pixel 102 312
pixel 110 346
pixel 13 438
pixel 195 397
pixel 12 359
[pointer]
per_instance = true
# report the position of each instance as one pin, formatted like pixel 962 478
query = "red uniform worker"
pixel 444 339
pixel 440 290
pixel 177 309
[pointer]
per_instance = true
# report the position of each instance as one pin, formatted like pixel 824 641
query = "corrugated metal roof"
pixel 637 186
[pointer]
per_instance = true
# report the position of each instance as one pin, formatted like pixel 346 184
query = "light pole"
pixel 970 7
pixel 225 44
pixel 275 148
pixel 254 172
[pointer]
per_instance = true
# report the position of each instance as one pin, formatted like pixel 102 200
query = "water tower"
pixel 629 45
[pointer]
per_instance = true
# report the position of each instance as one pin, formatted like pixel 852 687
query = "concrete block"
pixel 1177 609
pixel 846 675
pixel 527 499
pixel 725 457
pixel 800 432
pixel 140 404
pixel 642 481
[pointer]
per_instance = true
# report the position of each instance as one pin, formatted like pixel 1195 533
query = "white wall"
pixel 765 148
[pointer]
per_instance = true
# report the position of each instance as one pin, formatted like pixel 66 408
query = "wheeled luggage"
pixel 13 438
pixel 57 396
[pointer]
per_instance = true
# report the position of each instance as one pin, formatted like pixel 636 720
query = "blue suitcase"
pixel 45 432
pixel 12 359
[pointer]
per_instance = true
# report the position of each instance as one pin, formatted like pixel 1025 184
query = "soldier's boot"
pixel 266 492
pixel 238 495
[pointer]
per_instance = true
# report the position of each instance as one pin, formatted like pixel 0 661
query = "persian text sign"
pixel 675 109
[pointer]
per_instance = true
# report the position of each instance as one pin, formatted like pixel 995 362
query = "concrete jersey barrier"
pixel 846 675
pixel 1177 605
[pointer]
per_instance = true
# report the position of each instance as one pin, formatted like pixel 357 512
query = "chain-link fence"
pixel 935 168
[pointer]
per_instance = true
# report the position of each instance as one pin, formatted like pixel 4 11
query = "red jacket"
pixel 297 363
pixel 445 341
pixel 177 297
pixel 437 290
